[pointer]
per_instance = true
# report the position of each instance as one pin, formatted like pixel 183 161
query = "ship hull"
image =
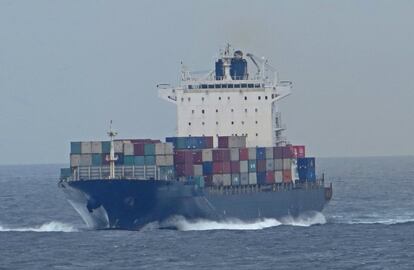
pixel 131 204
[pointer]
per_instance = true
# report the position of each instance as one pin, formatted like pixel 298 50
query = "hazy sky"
pixel 67 67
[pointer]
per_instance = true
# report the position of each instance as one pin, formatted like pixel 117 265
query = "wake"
pixel 182 224
pixel 53 226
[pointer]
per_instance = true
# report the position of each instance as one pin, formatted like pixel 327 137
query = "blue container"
pixel 252 166
pixel 106 147
pixel 129 160
pixel 96 159
pixel 149 160
pixel 139 160
pixel 311 175
pixel 260 153
pixel 261 178
pixel 181 143
pixel 75 148
pixel 120 160
pixel 149 149
pixel 302 173
pixel 207 168
pixel 305 163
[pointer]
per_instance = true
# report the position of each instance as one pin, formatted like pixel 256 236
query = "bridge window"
pixel 189 123
pixel 245 98
pixel 266 97
pixel 250 85
pixel 244 85
pixel 255 110
pixel 259 97
pixel 230 86
pixel 202 111
pixel 204 86
pixel 219 98
pixel 211 86
pixel 224 86
pixel 218 86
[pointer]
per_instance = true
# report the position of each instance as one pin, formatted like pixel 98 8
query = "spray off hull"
pixel 131 204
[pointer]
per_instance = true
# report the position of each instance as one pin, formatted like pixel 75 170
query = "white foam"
pixel 183 224
pixel 386 221
pixel 53 226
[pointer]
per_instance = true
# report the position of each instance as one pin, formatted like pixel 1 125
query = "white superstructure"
pixel 230 101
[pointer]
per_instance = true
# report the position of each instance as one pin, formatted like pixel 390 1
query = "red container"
pixel 223 142
pixel 197 157
pixel 277 152
pixel 244 154
pixel 261 165
pixel 139 149
pixel 217 167
pixel 226 167
pixel 235 166
pixel 288 152
pixel 183 156
pixel 184 169
pixel 299 151
pixel 270 177
pixel 287 176
pixel 209 142
pixel 144 141
pixel 221 155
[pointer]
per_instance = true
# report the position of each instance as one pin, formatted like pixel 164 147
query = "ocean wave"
pixel 183 224
pixel 389 221
pixel 53 226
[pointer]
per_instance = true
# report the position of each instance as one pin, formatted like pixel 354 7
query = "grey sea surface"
pixel 369 224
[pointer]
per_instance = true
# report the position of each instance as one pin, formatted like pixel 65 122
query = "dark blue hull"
pixel 130 204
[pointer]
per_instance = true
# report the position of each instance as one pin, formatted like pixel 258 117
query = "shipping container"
pixel 270 177
pixel 278 164
pixel 149 160
pixel 75 148
pixel 96 159
pixel 199 181
pixel 226 179
pixel 235 179
pixel 207 168
pixel 184 169
pixel 287 164
pixel 299 151
pixel 198 170
pixel 149 149
pixel 235 166
pixel 261 178
pixel 164 160
pixel 166 172
pixel 128 149
pixel 120 159
pixel 234 154
pixel 288 152
pixel 252 166
pixel 278 152
pixel 217 167
pixel 306 162
pixel 221 155
pixel 208 142
pixel 96 147
pixel 269 152
pixel 183 156
pixel 252 153
pixel 207 154
pixel 261 165
pixel 129 160
pixel 270 165
pixel 197 156
pixel 85 160
pixel 252 179
pixel 237 141
pixel 279 176
pixel 208 180
pixel 287 176
pixel 139 160
pixel 244 178
pixel 75 160
pixel 160 149
pixel 244 166
pixel 139 149
pixel 260 153
pixel 226 167
pixel 223 142
pixel 119 146
pixel 86 147
pixel 244 154
pixel 106 147
pixel 218 179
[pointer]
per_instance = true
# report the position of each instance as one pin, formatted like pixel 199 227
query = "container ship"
pixel 228 160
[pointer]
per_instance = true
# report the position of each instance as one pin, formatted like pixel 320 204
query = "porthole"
pixel 189 123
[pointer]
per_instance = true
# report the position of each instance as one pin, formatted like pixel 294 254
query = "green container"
pixel 149 160
pixel 252 165
pixel 75 148
pixel 149 149
pixel 181 142
pixel 96 159
pixel 129 160
pixel 106 147
pixel 139 160
pixel 199 181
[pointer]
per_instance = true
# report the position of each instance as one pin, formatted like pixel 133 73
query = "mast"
pixel 112 157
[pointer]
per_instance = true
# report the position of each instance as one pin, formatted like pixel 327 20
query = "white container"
pixel 234 154
pixel 244 166
pixel 244 179
pixel 278 164
pixel 207 154
pixel 287 164
pixel 85 160
pixel 164 160
pixel 128 149
pixel 198 170
pixel 96 147
pixel 278 176
pixel 252 179
pixel 226 179
pixel 252 153
pixel 75 160
pixel 168 148
pixel 119 146
pixel 269 152
pixel 218 179
pixel 86 147
pixel 159 149
pixel 237 141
